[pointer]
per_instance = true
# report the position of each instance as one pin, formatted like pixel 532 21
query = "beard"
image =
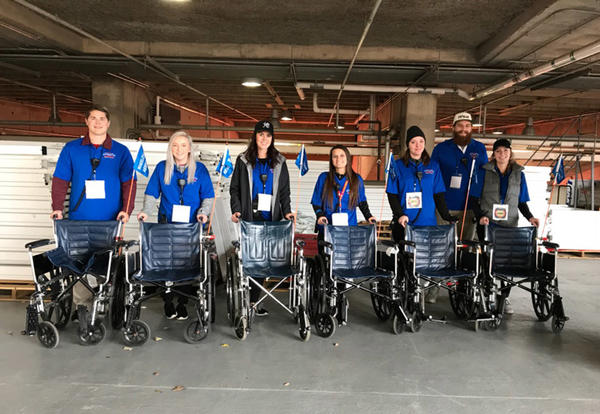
pixel 462 140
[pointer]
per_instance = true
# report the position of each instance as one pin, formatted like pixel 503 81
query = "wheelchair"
pixel 266 250
pixel 348 261
pixel 516 258
pixel 435 257
pixel 171 257
pixel 87 252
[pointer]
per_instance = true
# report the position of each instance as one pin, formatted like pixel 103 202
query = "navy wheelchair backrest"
pixel 436 246
pixel 353 246
pixel 166 247
pixel 514 247
pixel 266 244
pixel 81 238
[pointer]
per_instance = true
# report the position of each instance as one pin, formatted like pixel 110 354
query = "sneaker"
pixel 182 313
pixel 508 309
pixel 170 310
pixel 261 312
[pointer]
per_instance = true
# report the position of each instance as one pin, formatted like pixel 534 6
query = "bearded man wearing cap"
pixel 503 195
pixel 455 157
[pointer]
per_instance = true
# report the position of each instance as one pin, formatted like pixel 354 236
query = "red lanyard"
pixel 340 195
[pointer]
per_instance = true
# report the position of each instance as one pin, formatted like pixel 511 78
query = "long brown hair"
pixel 425 158
pixel 351 177
pixel 252 152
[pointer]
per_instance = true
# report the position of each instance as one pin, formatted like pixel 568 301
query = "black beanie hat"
pixel 414 131
pixel 502 142
pixel 265 125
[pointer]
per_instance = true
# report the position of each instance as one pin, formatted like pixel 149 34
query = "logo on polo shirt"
pixel 109 155
pixel 428 171
pixel 474 155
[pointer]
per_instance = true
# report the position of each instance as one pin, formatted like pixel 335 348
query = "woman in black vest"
pixel 503 195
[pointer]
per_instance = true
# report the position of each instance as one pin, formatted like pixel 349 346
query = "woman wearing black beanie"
pixel 416 187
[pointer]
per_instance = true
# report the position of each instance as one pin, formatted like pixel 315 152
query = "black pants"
pixel 397 230
pixel 182 300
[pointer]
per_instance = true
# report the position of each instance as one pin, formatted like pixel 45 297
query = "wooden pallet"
pixel 15 290
pixel 584 254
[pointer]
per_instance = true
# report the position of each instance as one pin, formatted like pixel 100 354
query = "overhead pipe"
pixel 383 88
pixel 564 60
pixel 318 110
pixel 250 129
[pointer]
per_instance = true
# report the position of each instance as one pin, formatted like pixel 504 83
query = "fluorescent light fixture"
pixel 339 127
pixel 436 130
pixel 286 115
pixel 497 132
pixel 251 82
pixel 477 122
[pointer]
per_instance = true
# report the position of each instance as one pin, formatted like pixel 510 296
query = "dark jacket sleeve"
pixel 318 211
pixel 476 207
pixel 59 193
pixel 284 190
pixel 395 205
pixel 440 205
pixel 524 209
pixel 235 187
pixel 364 209
pixel 128 190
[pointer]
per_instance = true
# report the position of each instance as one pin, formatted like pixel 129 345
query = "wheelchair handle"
pixel 38 243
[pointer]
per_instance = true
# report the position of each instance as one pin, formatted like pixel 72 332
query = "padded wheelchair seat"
pixel 59 258
pixel 362 272
pixel 521 274
pixel 261 272
pixel 447 273
pixel 182 275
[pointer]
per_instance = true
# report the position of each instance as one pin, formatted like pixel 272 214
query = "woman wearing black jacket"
pixel 260 185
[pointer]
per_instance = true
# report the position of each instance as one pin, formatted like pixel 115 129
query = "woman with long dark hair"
pixel 260 185
pixel 339 191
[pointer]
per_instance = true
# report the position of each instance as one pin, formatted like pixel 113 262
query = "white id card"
pixel 500 212
pixel 339 219
pixel 181 214
pixel 414 200
pixel 264 202
pixel 94 189
pixel 455 181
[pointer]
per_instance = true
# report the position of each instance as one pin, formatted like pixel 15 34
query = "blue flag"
pixel 225 166
pixel 140 165
pixel 390 167
pixel 301 161
pixel 558 171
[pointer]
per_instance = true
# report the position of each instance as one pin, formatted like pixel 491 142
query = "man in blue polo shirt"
pixel 455 157
pixel 100 172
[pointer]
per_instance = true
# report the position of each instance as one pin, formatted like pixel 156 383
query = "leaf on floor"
pixel 286 384
pixel 224 345
pixel 127 348
pixel 156 373
pixel 178 388
pixel 157 338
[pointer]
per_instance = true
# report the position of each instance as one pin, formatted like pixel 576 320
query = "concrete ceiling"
pixel 211 46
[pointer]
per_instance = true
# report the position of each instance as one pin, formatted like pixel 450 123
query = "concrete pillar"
pixel 121 100
pixel 413 109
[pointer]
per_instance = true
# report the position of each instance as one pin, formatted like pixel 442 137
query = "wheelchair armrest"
pixel 550 245
pixel 127 243
pixel 387 243
pixel 470 243
pixel 39 243
pixel 324 243
pixel 300 244
pixel 406 243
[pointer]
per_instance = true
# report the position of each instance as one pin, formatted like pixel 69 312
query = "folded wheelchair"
pixel 515 258
pixel 435 258
pixel 86 253
pixel 171 257
pixel 266 250
pixel 348 261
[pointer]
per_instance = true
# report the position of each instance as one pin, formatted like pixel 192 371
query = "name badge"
pixel 264 202
pixel 455 181
pixel 414 200
pixel 339 219
pixel 181 214
pixel 500 212
pixel 94 189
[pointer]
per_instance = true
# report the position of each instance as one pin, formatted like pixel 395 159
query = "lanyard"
pixel 340 195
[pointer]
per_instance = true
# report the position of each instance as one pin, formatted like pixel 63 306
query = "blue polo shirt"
pixel 171 194
pixel 406 181
pixel 453 161
pixel 262 167
pixel 523 191
pixel 319 199
pixel 74 165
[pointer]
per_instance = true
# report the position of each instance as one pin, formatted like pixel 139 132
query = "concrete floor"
pixel 522 367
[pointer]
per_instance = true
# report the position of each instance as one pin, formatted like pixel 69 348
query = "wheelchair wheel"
pixel 117 301
pixel 304 328
pixel 241 328
pixel 317 296
pixel 541 298
pixel 232 281
pixel 48 334
pixel 398 323
pixel 558 323
pixel 195 332
pixel 93 335
pixel 59 313
pixel 137 334
pixel 461 300
pixel 325 325
pixel 382 306
pixel 416 322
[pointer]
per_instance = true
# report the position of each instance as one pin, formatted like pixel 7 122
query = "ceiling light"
pixel 251 82
pixel 436 130
pixel 497 132
pixel 286 115
pixel 477 122
pixel 339 127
